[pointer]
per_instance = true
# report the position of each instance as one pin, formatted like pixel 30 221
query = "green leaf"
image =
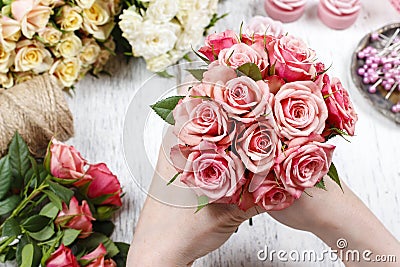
pixel 334 175
pixel 8 254
pixel 201 57
pixel 35 223
pixel 164 74
pixel 164 108
pixel 90 243
pixel 11 228
pixel 19 158
pixel 54 199
pixel 120 258
pixel 321 184
pixel 202 202
pixel 251 70
pixel 9 204
pixel 27 256
pixel 64 193
pixel 104 227
pixel 50 210
pixel 44 234
pixel 197 73
pixel 173 179
pixel 5 176
pixel 69 236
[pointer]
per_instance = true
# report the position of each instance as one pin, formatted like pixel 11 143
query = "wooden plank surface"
pixel 370 164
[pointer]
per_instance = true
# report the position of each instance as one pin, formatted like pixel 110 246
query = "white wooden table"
pixel 370 164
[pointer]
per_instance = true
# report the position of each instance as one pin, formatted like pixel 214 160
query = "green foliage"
pixel 202 201
pixel 333 174
pixel 251 70
pixel 197 73
pixel 164 108
pixel 19 159
pixel 321 184
pixel 5 176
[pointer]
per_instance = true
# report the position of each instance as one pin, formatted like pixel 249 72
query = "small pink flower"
pixel 62 257
pixel 209 170
pixel 303 163
pixel 299 110
pixel 96 258
pixel 216 42
pixel 243 99
pixel 341 113
pixel 294 61
pixel 78 217
pixel 104 183
pixel 270 195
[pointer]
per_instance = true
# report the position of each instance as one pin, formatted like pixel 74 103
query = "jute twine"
pixel 38 111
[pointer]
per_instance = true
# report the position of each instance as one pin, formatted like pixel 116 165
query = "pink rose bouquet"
pixel 57 211
pixel 254 129
pixel 66 39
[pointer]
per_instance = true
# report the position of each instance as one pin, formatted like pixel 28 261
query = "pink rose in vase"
pixel 217 42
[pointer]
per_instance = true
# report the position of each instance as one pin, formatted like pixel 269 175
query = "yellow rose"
pixel 32 55
pixel 66 70
pixel 97 20
pixel 89 52
pixel 69 46
pixel 6 59
pixel 70 18
pixel 50 35
pixel 85 3
pixel 6 80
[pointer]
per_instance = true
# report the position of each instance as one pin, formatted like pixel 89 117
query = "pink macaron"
pixel 285 10
pixel 339 14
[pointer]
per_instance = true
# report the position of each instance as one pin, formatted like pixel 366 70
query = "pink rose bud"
pixel 216 42
pixel 62 257
pixel 78 217
pixel 104 183
pixel 96 258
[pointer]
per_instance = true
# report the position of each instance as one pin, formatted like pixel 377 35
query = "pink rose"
pixel 264 26
pixel 272 196
pixel 256 145
pixel 78 217
pixel 240 54
pixel 66 163
pixel 62 257
pixel 197 119
pixel 341 113
pixel 216 42
pixel 244 99
pixel 294 60
pixel 299 110
pixel 96 258
pixel 32 15
pixel 104 183
pixel 209 170
pixel 217 73
pixel 303 163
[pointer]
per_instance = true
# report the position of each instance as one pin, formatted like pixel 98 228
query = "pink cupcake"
pixel 285 10
pixel 339 14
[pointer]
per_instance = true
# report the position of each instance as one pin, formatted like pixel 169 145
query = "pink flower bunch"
pixel 253 131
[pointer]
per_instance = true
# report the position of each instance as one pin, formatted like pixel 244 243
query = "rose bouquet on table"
pixel 163 31
pixel 253 129
pixel 57 212
pixel 64 38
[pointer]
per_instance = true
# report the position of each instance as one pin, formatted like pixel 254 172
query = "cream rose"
pixel 66 71
pixel 10 32
pixel 97 20
pixel 50 35
pixel 69 46
pixel 70 18
pixel 85 3
pixel 162 11
pixel 6 80
pixel 32 55
pixel 90 52
pixel 159 63
pixel 6 59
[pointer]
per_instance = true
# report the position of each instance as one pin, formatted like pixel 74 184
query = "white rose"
pixel 32 55
pixel 69 46
pixel 50 35
pixel 6 80
pixel 154 40
pixel 160 63
pixel 97 20
pixel 194 19
pixel 85 3
pixel 162 10
pixel 189 39
pixel 89 52
pixel 130 23
pixel 70 18
pixel 66 71
pixel 6 59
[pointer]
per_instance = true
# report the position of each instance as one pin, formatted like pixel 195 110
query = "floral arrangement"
pixel 163 31
pixel 56 212
pixel 64 38
pixel 253 129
